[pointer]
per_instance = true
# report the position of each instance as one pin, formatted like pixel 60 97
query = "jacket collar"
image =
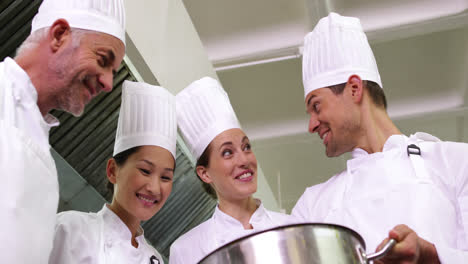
pixel 227 221
pixel 25 92
pixel 395 144
pixel 114 227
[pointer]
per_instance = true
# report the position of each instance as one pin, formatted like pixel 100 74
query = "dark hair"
pixel 375 91
pixel 204 160
pixel 120 160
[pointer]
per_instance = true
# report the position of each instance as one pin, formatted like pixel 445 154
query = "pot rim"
pixel 356 234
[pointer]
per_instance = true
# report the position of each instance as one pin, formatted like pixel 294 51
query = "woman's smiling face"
pixel 143 183
pixel 232 169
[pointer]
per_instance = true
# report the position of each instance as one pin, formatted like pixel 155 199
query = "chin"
pixel 334 154
pixel 251 191
pixel 75 110
pixel 146 216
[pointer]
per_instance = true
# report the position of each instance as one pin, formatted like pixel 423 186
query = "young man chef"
pixel 412 189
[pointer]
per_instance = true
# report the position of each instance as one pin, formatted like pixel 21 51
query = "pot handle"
pixel 381 253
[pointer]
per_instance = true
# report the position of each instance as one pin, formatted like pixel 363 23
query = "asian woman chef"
pixel 141 172
pixel 228 168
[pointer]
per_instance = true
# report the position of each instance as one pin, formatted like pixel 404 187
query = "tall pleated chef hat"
pixel 336 49
pixel 203 112
pixel 106 16
pixel 147 117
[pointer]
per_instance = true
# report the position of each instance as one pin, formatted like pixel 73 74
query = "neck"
pixel 129 220
pixel 241 210
pixel 34 63
pixel 376 128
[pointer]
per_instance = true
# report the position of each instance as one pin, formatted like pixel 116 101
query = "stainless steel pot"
pixel 301 243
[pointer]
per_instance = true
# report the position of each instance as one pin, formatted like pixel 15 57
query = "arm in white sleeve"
pixel 301 210
pixel 456 158
pixel 176 253
pixel 70 241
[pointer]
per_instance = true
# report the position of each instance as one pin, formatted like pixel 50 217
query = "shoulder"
pixel 193 245
pixel 449 147
pixel 314 196
pixel 314 192
pixel 3 66
pixel 75 220
pixel 452 154
pixel 432 143
pixel 194 235
pixel 75 217
pixel 74 230
pixel 282 219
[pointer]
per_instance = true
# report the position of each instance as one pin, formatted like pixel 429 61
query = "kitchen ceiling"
pixel 421 47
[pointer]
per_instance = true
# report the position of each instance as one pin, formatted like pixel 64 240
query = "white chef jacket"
pixel 98 238
pixel 29 196
pixel 221 229
pixel 378 191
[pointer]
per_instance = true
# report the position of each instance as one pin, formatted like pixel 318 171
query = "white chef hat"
pixel 203 112
pixel 147 117
pixel 106 16
pixel 336 49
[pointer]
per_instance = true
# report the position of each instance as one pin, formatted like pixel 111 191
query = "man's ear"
pixel 59 33
pixel 356 87
pixel 111 171
pixel 202 172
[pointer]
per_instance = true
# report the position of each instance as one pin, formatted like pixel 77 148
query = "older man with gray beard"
pixel 73 50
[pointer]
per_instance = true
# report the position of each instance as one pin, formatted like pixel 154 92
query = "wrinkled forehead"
pixel 106 43
pixel 113 43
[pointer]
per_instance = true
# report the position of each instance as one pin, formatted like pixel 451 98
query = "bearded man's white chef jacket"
pixel 378 191
pixel 221 229
pixel 29 196
pixel 100 237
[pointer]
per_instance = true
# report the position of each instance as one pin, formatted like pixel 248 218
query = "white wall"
pixel 164 35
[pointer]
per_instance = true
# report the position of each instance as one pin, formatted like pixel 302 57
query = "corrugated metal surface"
pixel 15 23
pixel 86 143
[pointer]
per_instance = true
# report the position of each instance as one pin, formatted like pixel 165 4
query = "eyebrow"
pixel 152 165
pixel 148 162
pixel 225 143
pixel 111 55
pixel 230 143
pixel 111 59
pixel 308 101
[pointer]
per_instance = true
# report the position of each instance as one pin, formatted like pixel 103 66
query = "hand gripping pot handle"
pixel 381 253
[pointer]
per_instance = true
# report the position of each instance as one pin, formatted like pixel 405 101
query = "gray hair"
pixel 33 40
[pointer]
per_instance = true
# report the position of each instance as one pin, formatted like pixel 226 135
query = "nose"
pixel 106 80
pixel 154 187
pixel 313 123
pixel 243 159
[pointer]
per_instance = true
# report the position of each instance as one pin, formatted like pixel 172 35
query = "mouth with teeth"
pixel 245 176
pixel 324 137
pixel 147 200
